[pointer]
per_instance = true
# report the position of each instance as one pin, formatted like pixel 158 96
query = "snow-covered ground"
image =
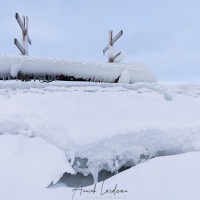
pixel 101 126
pixel 28 165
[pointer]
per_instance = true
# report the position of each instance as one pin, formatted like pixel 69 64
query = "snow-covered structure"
pixel 12 66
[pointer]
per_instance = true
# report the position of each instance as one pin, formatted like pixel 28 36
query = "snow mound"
pixel 169 177
pixel 24 173
pixel 30 161
pixel 125 77
pixel 42 67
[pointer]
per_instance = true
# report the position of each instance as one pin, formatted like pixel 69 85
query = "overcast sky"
pixel 163 35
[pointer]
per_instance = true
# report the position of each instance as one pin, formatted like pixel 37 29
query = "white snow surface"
pixel 27 164
pixel 111 52
pixel 163 178
pixel 111 125
pixel 103 72
pixel 125 77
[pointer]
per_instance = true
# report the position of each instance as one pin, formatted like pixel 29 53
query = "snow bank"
pixel 110 125
pixel 40 67
pixel 30 162
pixel 168 177
pixel 26 166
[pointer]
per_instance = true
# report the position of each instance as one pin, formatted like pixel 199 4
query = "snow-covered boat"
pixel 51 69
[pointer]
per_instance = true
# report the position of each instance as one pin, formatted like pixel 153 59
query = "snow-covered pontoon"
pixel 25 67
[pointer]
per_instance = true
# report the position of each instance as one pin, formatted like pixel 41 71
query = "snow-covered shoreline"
pixel 110 125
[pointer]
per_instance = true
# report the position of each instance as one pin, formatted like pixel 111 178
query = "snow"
pixel 169 177
pixel 111 52
pixel 133 148
pixel 90 127
pixel 109 125
pixel 14 69
pixel 125 77
pixel 27 166
pixel 120 58
pixel 19 149
pixel 101 72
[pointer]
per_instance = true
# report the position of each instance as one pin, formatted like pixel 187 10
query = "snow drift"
pixel 28 164
pixel 42 163
pixel 106 125
pixel 10 66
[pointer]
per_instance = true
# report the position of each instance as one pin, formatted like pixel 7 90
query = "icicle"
pixel 95 173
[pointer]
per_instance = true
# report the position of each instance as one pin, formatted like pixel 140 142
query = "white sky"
pixel 163 35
